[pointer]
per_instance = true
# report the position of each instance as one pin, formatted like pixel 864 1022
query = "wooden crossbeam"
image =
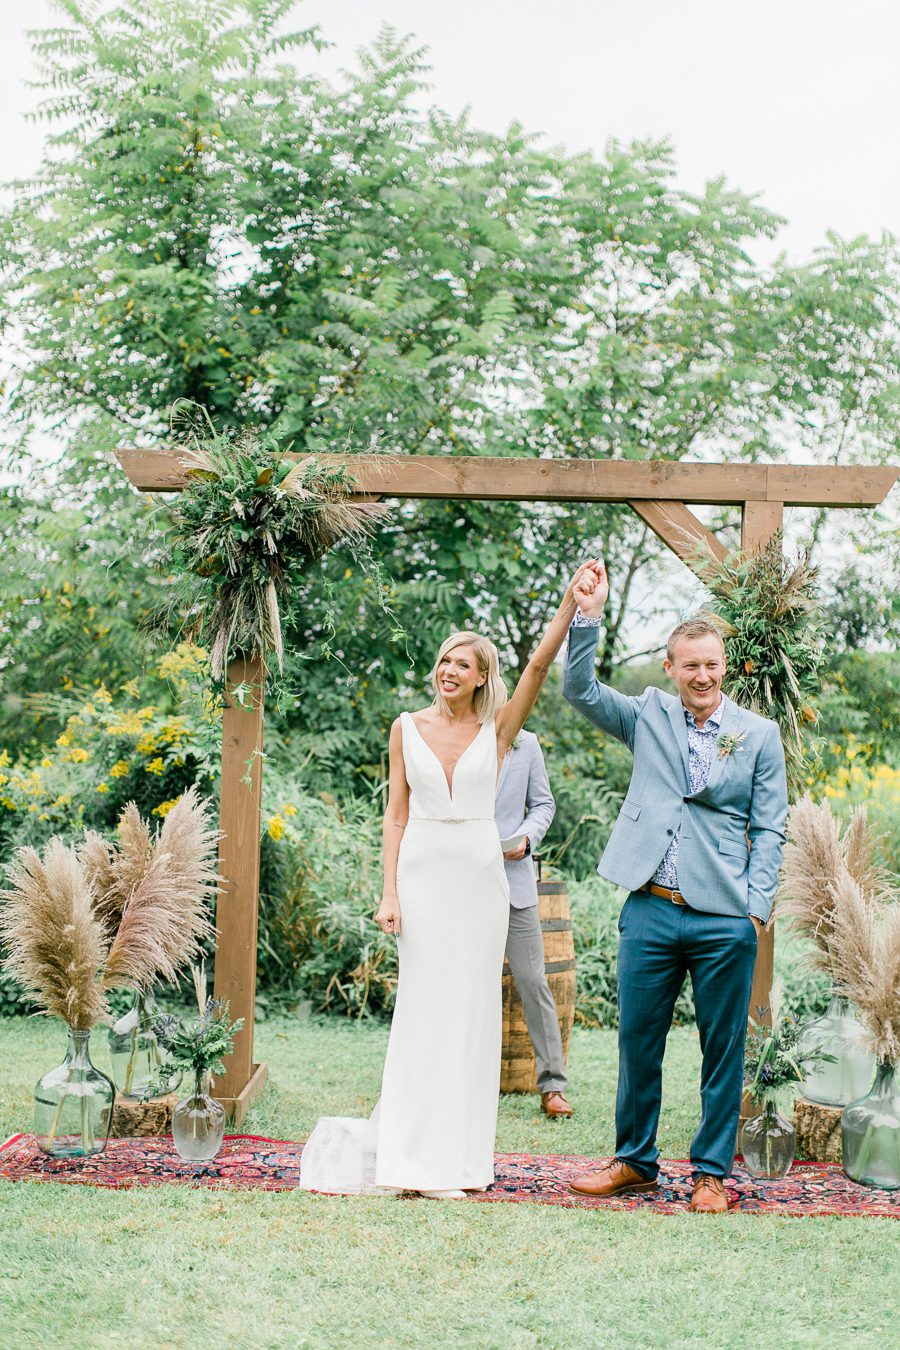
pixel 584 480
pixel 678 527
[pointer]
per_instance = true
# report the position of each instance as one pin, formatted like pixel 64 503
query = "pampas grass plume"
pixel 164 918
pixel 53 937
pixel 813 862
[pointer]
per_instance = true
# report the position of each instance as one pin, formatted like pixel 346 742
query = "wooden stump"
pixel 818 1131
pixel 135 1119
pixel 518 1070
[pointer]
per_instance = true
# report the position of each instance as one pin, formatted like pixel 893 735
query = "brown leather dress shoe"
pixel 612 1179
pixel 554 1105
pixel 710 1196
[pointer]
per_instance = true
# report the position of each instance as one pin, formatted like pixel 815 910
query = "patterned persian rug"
pixel 248 1162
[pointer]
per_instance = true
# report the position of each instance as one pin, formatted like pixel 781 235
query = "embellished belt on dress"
pixel 451 820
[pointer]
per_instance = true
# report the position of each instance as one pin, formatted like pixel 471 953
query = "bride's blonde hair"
pixel 491 696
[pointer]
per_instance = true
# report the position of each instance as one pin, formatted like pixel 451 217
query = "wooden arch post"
pixel 658 491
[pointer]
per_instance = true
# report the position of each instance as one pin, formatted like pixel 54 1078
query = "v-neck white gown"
pixel 435 1126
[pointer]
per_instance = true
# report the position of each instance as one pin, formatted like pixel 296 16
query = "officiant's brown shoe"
pixel 710 1196
pixel 612 1179
pixel 554 1105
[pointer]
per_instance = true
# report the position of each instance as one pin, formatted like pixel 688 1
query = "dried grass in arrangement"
pixel 818 861
pixel 164 914
pixel 114 871
pixel 767 610
pixel 247 525
pixel 54 939
pixel 834 894
pixel 866 963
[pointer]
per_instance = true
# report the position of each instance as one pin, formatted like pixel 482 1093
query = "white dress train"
pixel 436 1121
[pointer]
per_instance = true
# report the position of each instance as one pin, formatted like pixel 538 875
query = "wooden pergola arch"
pixel 658 491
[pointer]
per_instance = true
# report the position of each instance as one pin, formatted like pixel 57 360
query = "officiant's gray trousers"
pixel 525 953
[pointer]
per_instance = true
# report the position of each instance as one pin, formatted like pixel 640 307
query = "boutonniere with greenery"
pixel 517 742
pixel 729 743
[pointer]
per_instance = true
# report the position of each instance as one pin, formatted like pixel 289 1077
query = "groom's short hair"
pixel 697 627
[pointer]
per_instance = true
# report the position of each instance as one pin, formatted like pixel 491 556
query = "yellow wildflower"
pixel 146 714
pixel 276 827
pixel 119 769
pixel 46 763
pixel 131 688
pixel 129 725
pixel 155 766
pixel 103 787
pixel 289 809
pixel 79 755
pixel 3 779
pixel 4 759
pixel 63 739
pixel 103 695
pixel 165 807
pixel 146 745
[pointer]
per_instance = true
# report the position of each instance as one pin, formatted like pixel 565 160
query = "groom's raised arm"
pixel 606 708
pixel 613 712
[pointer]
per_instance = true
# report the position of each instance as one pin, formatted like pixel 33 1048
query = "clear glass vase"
pixel 136 1054
pixel 73 1104
pixel 767 1143
pixel 838 1033
pixel 198 1124
pixel 870 1133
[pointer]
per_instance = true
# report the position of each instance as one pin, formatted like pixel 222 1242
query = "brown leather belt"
pixel 675 896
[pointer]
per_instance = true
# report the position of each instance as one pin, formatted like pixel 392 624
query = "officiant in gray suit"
pixel 525 806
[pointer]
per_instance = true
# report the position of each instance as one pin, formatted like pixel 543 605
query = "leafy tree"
pixel 211 224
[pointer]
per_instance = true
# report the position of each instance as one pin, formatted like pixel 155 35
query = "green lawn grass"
pixel 183 1268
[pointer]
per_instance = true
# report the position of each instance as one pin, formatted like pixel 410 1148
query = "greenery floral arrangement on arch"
pixel 250 521
pixel 766 607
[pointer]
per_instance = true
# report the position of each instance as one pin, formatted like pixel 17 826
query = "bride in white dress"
pixel 446 899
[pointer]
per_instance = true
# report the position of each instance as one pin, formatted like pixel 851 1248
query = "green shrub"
pixel 804 992
pixel 146 742
pixel 877 787
pixel 320 884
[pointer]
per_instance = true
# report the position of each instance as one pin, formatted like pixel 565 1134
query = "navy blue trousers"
pixel 660 943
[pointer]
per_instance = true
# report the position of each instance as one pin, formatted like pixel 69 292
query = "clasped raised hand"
pixel 590 588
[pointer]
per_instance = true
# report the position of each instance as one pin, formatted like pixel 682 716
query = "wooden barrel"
pixel 518 1069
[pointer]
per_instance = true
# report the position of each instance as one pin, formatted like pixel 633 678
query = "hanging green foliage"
pixel 247 525
pixel 767 608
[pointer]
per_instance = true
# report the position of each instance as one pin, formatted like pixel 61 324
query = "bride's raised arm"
pixel 513 715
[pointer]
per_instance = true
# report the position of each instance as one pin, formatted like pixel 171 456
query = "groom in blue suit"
pixel 698 843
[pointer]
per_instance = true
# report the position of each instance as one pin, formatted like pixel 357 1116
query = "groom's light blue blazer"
pixel 732 832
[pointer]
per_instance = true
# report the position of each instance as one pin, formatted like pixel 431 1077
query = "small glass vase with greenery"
pixel 197 1047
pixel 774 1064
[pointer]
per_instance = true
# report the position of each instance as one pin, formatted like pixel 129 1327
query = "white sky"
pixel 795 100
